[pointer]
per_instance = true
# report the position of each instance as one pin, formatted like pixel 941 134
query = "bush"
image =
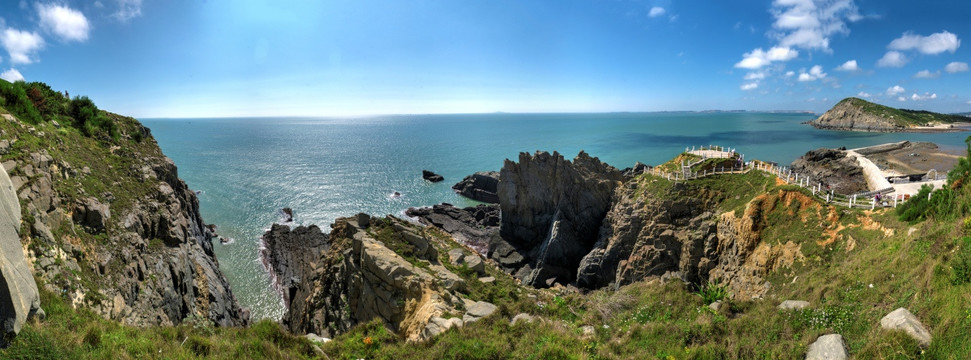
pixel 90 120
pixel 14 98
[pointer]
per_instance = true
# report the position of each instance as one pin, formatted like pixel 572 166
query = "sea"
pixel 247 169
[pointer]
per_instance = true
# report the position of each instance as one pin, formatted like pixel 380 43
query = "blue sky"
pixel 192 58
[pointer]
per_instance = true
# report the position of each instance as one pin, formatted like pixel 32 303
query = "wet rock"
pixel 482 186
pixel 431 177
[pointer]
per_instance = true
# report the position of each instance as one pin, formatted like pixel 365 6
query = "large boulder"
pixel 19 299
pixel 481 186
pixel 551 211
pixel 828 347
pixel 92 214
pixel 903 320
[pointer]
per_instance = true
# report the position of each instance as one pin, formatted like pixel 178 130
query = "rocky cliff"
pixel 551 211
pixel 382 268
pixel 860 115
pixel 110 226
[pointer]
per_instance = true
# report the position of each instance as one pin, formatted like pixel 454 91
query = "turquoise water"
pixel 247 169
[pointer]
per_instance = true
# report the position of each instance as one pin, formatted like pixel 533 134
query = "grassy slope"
pixel 921 271
pixel 904 117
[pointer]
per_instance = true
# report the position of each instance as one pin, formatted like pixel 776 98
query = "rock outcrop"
pixel 431 176
pixel 19 298
pixel 475 227
pixel 372 268
pixel 481 186
pixel 551 211
pixel 833 169
pixel 679 235
pixel 288 253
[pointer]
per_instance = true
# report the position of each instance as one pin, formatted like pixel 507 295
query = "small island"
pixel 854 114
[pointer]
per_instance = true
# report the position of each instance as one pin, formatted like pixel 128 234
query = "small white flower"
pixel 871 286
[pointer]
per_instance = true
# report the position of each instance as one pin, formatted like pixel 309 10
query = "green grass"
pixel 69 333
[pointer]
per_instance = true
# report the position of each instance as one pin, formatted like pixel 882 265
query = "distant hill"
pixel 860 115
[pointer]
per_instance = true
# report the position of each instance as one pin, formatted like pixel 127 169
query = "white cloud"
pixel 66 23
pixel 926 96
pixel 21 45
pixel 128 9
pixel 758 75
pixel 901 99
pixel 656 11
pixel 864 94
pixel 895 90
pixel 749 86
pixel 759 58
pixel 956 67
pixel 790 74
pixel 12 75
pixel 892 59
pixel 815 73
pixel 849 66
pixel 809 24
pixel 927 74
pixel 931 44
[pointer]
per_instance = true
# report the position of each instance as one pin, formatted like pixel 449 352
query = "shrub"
pixel 712 291
pixel 90 120
pixel 14 98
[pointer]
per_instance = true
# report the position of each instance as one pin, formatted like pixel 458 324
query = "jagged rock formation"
pixel 481 186
pixel 651 237
pixel 288 253
pixel 860 115
pixel 551 211
pixel 114 229
pixel 833 169
pixel 19 299
pixel 373 268
pixel 475 227
pixel 681 237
